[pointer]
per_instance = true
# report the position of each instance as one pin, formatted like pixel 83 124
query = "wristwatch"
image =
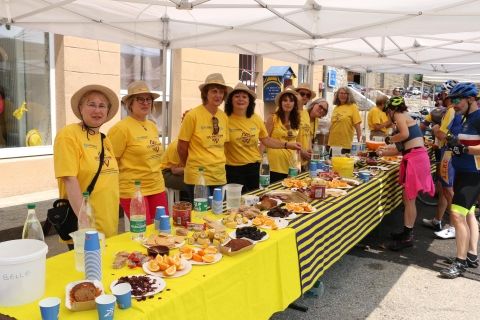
pixel 285 145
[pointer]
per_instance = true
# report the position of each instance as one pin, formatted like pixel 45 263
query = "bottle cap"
pixel 160 211
pixel 31 206
pixel 85 194
pixel 92 241
pixel 201 169
pixel 217 194
pixel 137 182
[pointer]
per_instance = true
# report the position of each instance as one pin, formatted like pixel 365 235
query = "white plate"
pixel 176 246
pixel 187 269
pixel 292 215
pixel 337 192
pixel 159 283
pixel 218 256
pixel 352 181
pixel 378 168
pixel 281 224
pixel 233 236
pixel 70 285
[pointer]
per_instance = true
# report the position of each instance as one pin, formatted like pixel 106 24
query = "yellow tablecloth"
pixel 251 285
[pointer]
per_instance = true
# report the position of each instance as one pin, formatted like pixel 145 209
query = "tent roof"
pixel 408 36
pixel 279 71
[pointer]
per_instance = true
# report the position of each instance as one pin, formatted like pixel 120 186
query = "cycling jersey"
pixel 470 136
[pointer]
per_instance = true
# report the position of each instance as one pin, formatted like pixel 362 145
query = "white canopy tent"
pixel 434 37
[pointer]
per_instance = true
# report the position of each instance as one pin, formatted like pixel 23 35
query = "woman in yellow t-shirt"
pixel 378 122
pixel 246 129
pixel 284 125
pixel 345 118
pixel 139 151
pixel 76 157
pixel 203 135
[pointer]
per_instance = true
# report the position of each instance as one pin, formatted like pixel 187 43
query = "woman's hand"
pixel 294 145
pixel 306 154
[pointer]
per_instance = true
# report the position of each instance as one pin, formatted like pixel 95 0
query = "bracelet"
pixel 285 145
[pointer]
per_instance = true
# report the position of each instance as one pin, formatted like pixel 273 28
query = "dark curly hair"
pixel 229 104
pixel 294 114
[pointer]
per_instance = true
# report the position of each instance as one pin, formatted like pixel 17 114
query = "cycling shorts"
pixel 466 189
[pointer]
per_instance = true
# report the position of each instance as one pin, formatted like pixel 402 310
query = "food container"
pixel 317 191
pixel 22 271
pixel 182 213
pixel 343 166
pixel 374 145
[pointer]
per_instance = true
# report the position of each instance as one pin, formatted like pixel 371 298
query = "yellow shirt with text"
pixel 205 149
pixel 76 155
pixel 139 153
pixel 170 158
pixel 244 136
pixel 279 159
pixel 376 116
pixel 344 118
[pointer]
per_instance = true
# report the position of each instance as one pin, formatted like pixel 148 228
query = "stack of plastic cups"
pixel 217 201
pixel 160 211
pixel 313 169
pixel 93 259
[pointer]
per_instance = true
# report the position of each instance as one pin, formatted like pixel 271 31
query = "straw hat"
pixel 242 87
pixel 138 87
pixel 111 97
pixel 312 103
pixel 215 78
pixel 306 86
pixel 279 96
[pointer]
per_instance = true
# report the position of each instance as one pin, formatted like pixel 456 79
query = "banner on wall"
pixel 271 87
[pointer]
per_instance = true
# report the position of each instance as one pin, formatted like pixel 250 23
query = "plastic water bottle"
pixel 32 229
pixel 138 216
pixel 86 217
pixel 200 193
pixel 316 152
pixel 295 165
pixel 264 180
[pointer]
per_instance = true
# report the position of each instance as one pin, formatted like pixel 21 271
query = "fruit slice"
pixel 170 271
pixel 159 259
pixel 187 255
pixel 186 249
pixel 208 258
pixel 181 266
pixel 210 250
pixel 196 257
pixel 163 266
pixel 152 265
pixel 201 252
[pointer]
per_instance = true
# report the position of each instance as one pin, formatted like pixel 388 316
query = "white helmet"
pixel 449 84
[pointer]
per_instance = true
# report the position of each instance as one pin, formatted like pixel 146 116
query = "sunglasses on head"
pixel 216 128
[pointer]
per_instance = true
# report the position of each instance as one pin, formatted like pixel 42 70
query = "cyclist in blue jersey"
pixel 466 187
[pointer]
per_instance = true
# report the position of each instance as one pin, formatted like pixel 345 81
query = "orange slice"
pixel 210 250
pixel 170 271
pixel 159 259
pixel 181 266
pixel 186 249
pixel 163 266
pixel 187 255
pixel 152 265
pixel 208 258
pixel 201 252
pixel 197 257
pixel 170 260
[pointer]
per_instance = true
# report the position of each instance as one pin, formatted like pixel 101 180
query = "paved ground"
pixel 367 283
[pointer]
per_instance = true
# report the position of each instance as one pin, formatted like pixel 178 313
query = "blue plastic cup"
pixel 92 241
pixel 49 308
pixel 105 306
pixel 217 194
pixel 165 224
pixel 123 293
pixel 159 211
pixel 364 176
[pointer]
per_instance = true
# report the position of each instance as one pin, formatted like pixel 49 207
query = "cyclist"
pixel 414 173
pixel 466 186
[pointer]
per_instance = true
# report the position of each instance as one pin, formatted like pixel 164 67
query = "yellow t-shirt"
pixel 279 159
pixel 139 153
pixel 344 118
pixel 244 136
pixel 170 158
pixel 305 132
pixel 313 127
pixel 75 155
pixel 376 116
pixel 445 124
pixel 205 148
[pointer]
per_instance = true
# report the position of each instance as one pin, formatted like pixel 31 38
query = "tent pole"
pixel 165 111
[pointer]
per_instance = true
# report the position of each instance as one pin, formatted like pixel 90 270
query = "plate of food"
pixel 300 207
pixel 201 256
pixel 335 192
pixel 281 213
pixel 381 168
pixel 267 203
pixel 295 183
pixel 235 220
pixel 338 184
pixel 80 295
pixel 352 182
pixel 167 266
pixel 391 159
pixel 164 239
pixel 266 222
pixel 142 285
pixel 252 233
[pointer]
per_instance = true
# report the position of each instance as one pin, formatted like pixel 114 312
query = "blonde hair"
pixel 350 99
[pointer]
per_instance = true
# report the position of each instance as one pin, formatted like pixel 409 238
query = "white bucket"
pixel 22 271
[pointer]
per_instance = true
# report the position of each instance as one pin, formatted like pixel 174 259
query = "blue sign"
pixel 270 90
pixel 332 78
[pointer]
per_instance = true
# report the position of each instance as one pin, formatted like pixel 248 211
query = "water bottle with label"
pixel 32 229
pixel 138 215
pixel 295 164
pixel 316 154
pixel 86 217
pixel 200 193
pixel 264 180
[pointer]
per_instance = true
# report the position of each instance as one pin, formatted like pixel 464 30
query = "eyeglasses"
pixel 144 100
pixel 216 128
pixel 92 105
pixel 456 100
pixel 305 94
pixel 324 110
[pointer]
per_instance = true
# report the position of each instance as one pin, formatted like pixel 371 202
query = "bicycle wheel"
pixel 425 198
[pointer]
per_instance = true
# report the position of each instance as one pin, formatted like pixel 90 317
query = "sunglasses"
pixel 216 128
pixel 305 94
pixel 143 100
pixel 456 100
pixel 324 110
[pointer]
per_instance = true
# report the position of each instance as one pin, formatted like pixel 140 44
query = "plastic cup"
pixel 336 151
pixel 378 139
pixel 123 293
pixel 78 247
pixel 217 194
pixel 49 308
pixel 234 195
pixel 165 224
pixel 105 306
pixel 364 176
pixel 250 199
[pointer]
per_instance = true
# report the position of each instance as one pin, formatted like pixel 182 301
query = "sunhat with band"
pixel 138 87
pixel 290 90
pixel 306 86
pixel 217 79
pixel 108 93
pixel 242 87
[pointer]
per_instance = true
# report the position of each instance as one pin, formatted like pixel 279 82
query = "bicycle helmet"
pixel 449 84
pixel 394 102
pixel 464 90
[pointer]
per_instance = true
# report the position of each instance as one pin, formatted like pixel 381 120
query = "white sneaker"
pixel 447 233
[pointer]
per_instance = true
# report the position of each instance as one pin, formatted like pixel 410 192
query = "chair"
pixel 172 196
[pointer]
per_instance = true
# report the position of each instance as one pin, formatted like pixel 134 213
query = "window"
pixel 246 70
pixel 26 93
